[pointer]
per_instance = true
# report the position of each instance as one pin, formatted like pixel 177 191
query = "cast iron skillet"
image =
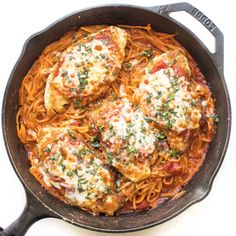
pixel 40 204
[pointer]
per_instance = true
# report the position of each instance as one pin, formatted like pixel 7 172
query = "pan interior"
pixel 112 15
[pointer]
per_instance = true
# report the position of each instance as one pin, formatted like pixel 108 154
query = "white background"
pixel 213 216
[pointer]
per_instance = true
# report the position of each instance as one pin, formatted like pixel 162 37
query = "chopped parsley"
pixel 215 117
pixel 110 125
pixel 104 41
pixel 160 136
pixel 100 127
pixel 77 103
pixel 91 171
pixel 48 148
pixel 128 65
pixel 63 167
pixel 171 96
pixel 76 153
pixel 149 97
pixel 159 94
pixel 109 157
pixel 175 153
pixel 95 142
pixel 170 123
pixel 147 53
pixel 107 189
pixel 71 134
pixel 148 119
pixel 70 173
pixel 55 157
pixel 174 62
pixel 82 77
pixel 80 188
pixel 64 72
pixel 131 149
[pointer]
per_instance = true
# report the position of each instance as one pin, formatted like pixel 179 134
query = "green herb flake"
pixel 104 41
pixel 215 117
pixel 131 149
pixel 55 157
pixel 175 153
pixel 147 53
pixel 171 96
pixel 95 142
pixel 69 173
pixel 148 119
pixel 109 157
pixel 170 123
pixel 63 167
pixel 149 97
pixel 128 65
pixel 160 136
pixel 100 127
pixel 71 134
pixel 107 189
pixel 48 148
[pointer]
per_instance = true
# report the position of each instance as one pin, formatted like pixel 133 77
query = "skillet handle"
pixel 218 56
pixel 33 211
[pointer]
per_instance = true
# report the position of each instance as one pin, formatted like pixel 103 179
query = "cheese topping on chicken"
pixel 73 168
pixel 86 69
pixel 165 93
pixel 126 137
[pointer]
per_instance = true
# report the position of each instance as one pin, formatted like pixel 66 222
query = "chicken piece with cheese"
pixel 166 97
pixel 86 69
pixel 126 138
pixel 76 172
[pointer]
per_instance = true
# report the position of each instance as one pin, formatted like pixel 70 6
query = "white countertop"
pixel 213 216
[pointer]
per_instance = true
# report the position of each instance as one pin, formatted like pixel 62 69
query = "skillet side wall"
pixel 112 15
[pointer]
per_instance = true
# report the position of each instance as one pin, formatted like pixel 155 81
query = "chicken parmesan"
pixel 126 138
pixel 77 172
pixel 86 69
pixel 115 118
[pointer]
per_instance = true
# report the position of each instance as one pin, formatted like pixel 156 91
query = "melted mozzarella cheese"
pixel 166 98
pixel 86 68
pixel 72 166
pixel 130 125
pixel 128 137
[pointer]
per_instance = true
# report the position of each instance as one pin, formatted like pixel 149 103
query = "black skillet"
pixel 40 204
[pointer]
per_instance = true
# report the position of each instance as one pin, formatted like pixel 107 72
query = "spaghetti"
pixel 178 154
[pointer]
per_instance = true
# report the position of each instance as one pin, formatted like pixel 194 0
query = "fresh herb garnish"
pixel 63 167
pixel 70 173
pixel 71 134
pixel 175 153
pixel 104 41
pixel 100 127
pixel 147 53
pixel 95 142
pixel 170 123
pixel 107 189
pixel 131 149
pixel 149 97
pixel 160 136
pixel 48 148
pixel 109 157
pixel 215 117
pixel 55 157
pixel 82 77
